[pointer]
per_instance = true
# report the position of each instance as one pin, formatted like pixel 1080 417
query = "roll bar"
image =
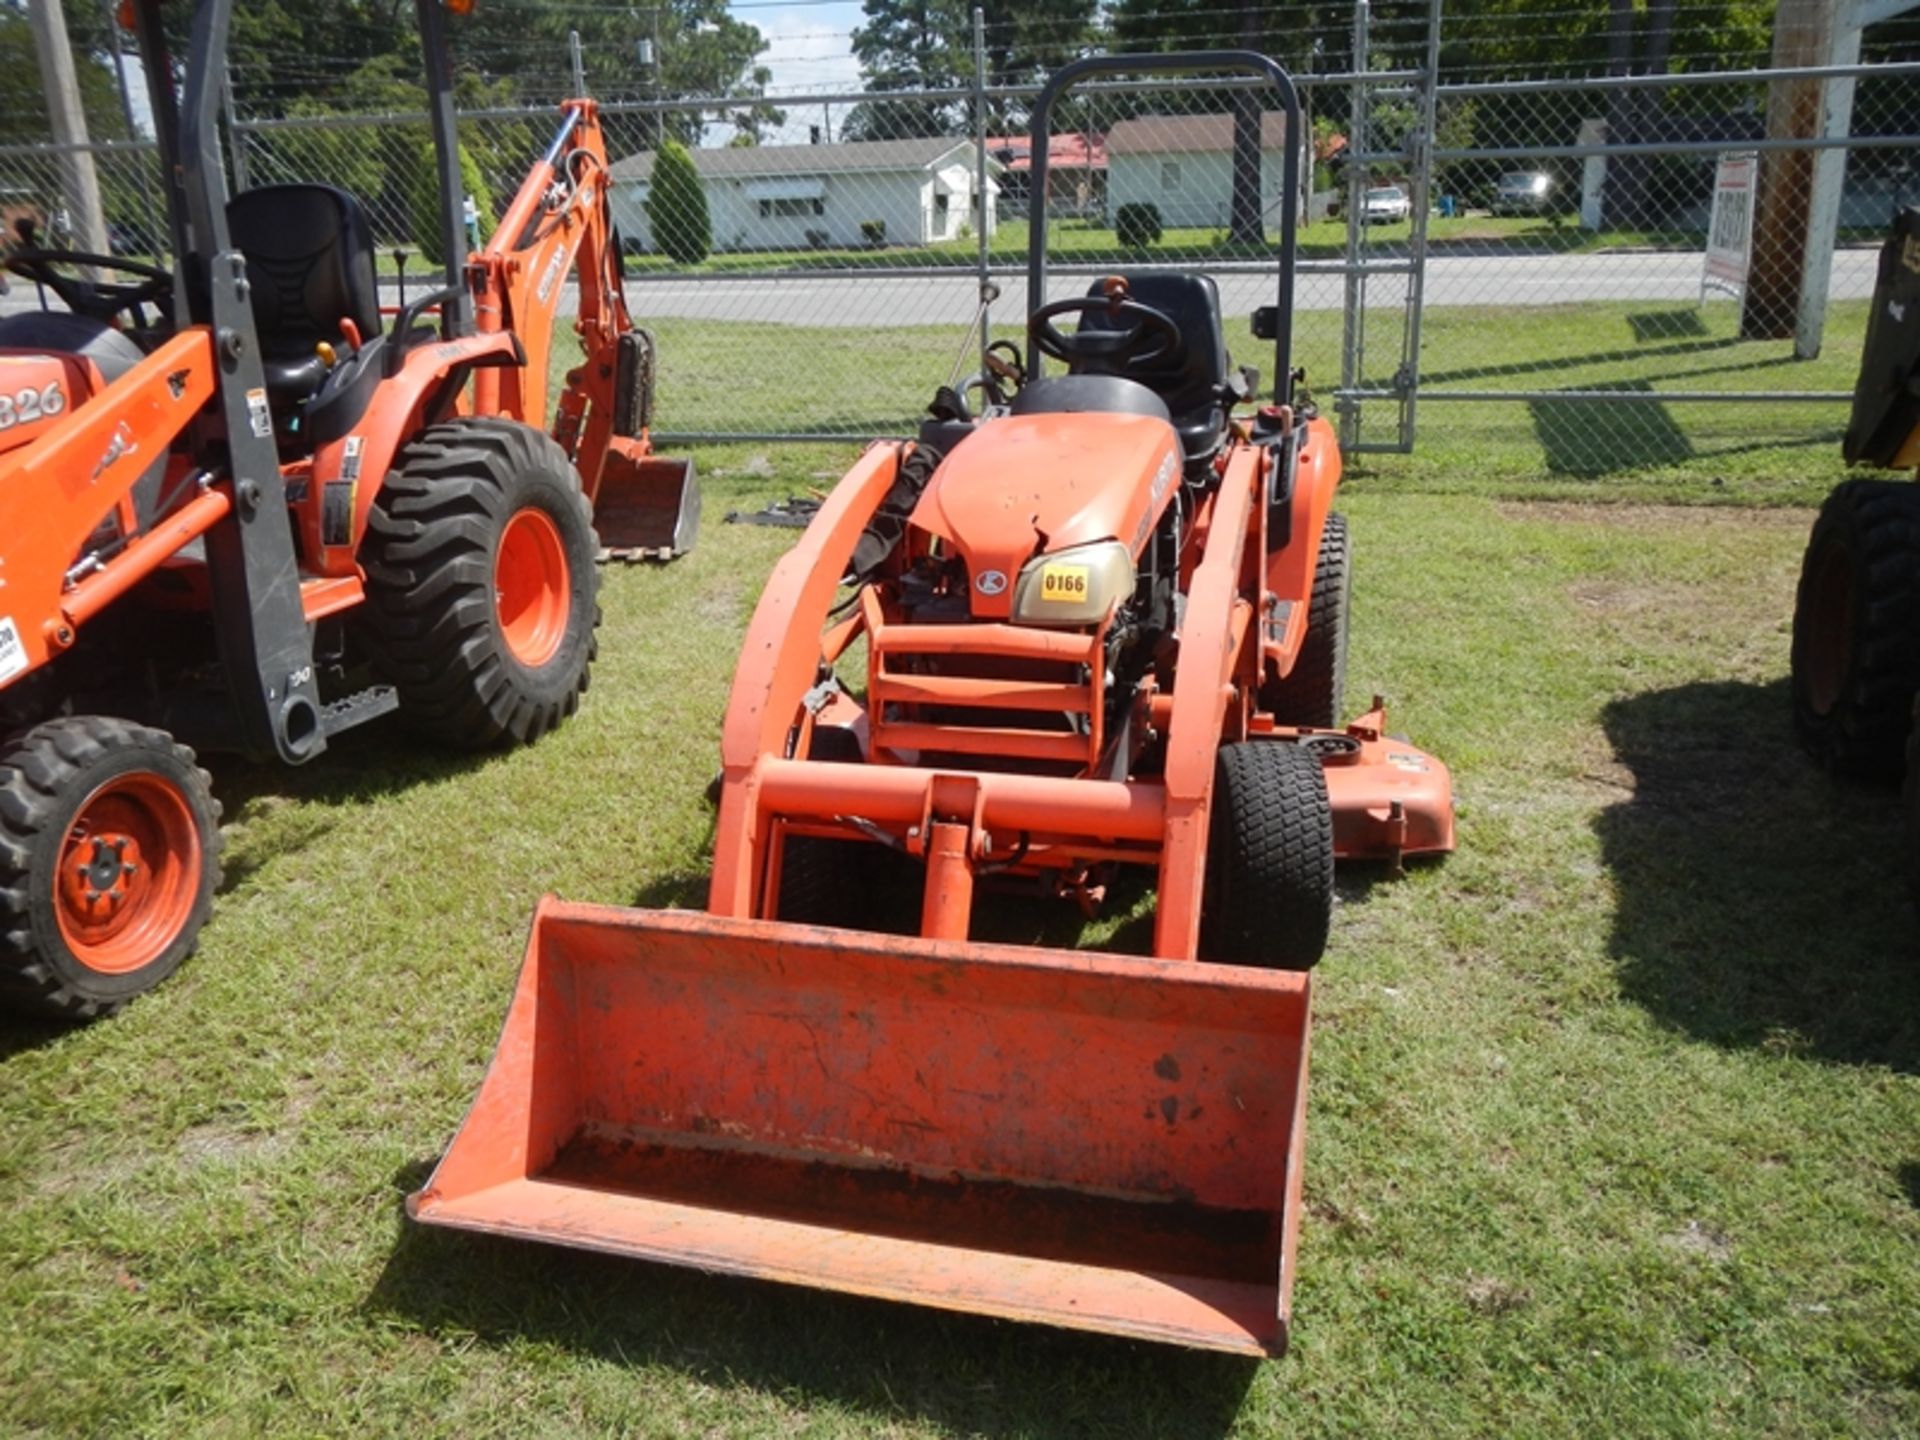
pixel 1185 62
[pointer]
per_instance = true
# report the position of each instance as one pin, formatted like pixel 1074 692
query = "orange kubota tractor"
pixel 1096 625
pixel 241 507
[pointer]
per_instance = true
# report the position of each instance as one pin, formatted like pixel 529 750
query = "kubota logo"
pixel 990 582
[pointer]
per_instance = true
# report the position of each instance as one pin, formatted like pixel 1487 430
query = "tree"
pixel 928 45
pixel 677 206
pixel 425 213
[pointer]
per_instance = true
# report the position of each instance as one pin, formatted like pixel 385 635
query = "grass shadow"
pixel 1631 434
pixel 891 1362
pixel 377 762
pixel 21 1033
pixel 1666 324
pixel 1578 362
pixel 1757 902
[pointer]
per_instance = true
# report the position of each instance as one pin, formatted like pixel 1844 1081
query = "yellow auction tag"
pixel 1063 584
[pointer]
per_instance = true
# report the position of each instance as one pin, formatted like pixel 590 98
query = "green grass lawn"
pixel 720 376
pixel 1614 1122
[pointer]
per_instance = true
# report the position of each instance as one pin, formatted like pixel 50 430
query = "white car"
pixel 1385 205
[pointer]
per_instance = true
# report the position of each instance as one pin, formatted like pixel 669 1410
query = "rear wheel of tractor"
pixel 109 857
pixel 1856 629
pixel 1269 883
pixel 1911 805
pixel 481 585
pixel 1310 695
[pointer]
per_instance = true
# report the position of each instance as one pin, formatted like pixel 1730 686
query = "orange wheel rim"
pixel 530 587
pixel 129 873
pixel 1830 637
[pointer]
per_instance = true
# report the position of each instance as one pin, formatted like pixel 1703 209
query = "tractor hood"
pixel 1031 483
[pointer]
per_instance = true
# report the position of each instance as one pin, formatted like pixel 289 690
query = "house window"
pixel 1169 174
pixel 789 208
pixel 940 212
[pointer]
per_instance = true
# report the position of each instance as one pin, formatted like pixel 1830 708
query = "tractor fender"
pixel 348 471
pixel 1290 562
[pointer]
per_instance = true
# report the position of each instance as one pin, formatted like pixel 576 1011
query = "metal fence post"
pixel 980 128
pixel 1351 336
pixel 1409 375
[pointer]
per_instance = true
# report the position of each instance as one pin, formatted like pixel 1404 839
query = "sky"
pixel 809 45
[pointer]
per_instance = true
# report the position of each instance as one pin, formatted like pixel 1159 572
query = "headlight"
pixel 1076 586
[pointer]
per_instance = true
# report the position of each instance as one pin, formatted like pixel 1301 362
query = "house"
pixel 795 197
pixel 1182 165
pixel 1076 173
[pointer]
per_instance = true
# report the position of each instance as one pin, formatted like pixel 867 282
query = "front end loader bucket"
pixel 647 506
pixel 1086 1140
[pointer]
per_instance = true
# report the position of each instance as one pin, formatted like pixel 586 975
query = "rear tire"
pixel 1269 882
pixel 1311 694
pixel 1856 629
pixel 109 857
pixel 481 584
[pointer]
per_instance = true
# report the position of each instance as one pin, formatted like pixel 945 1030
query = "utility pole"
pixel 81 185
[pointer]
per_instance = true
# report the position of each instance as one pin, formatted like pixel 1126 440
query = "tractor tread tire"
pixel 1269 891
pixel 431 625
pixel 40 769
pixel 1864 733
pixel 1311 694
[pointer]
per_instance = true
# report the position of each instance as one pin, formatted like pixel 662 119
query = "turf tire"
pixel 432 622
pixel 47 775
pixel 1311 694
pixel 1269 880
pixel 1856 629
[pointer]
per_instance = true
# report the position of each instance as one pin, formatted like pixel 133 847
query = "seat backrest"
pixel 309 256
pixel 1187 378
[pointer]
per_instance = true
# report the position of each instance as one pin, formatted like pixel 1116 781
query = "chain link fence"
pixel 1488 264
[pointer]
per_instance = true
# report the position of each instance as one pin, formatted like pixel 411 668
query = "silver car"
pixel 1523 192
pixel 1385 205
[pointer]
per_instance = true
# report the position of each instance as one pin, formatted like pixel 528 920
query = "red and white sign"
pixel 1730 228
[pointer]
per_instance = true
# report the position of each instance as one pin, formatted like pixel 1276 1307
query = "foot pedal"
pixel 358 708
pixel 633 383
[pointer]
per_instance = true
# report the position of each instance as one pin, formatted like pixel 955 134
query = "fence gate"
pixel 1388 180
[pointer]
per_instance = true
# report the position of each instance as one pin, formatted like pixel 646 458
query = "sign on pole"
pixel 1730 227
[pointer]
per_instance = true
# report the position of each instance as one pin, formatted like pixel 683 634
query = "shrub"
pixel 677 206
pixel 874 232
pixel 425 198
pixel 1137 225
pixel 818 239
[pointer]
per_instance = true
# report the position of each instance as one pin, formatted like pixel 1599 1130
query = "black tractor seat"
pixel 1193 378
pixel 309 253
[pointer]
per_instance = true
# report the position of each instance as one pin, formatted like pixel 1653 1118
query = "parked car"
pixel 1385 205
pixel 1522 192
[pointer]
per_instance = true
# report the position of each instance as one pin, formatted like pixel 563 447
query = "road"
pixel 879 301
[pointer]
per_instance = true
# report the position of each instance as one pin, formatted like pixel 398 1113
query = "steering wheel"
pixel 97 299
pixel 1151 336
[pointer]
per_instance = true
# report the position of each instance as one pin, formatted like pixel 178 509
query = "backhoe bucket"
pixel 647 506
pixel 1087 1140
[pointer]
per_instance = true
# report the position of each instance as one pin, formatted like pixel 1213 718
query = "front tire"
pixel 1856 629
pixel 1269 879
pixel 481 585
pixel 1311 693
pixel 109 858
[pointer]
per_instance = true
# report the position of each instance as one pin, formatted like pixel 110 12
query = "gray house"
pixel 795 197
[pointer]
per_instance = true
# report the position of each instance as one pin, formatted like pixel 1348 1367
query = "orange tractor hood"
pixel 1031 483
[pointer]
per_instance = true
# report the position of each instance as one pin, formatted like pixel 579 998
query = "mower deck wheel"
pixel 1310 695
pixel 481 584
pixel 1269 881
pixel 1856 629
pixel 109 857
